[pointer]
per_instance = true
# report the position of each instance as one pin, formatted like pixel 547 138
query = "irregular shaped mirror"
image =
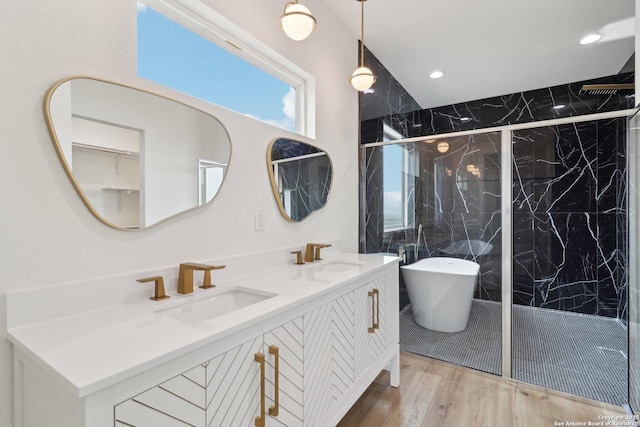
pixel 300 177
pixel 135 158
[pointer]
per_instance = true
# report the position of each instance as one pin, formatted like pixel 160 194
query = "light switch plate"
pixel 260 222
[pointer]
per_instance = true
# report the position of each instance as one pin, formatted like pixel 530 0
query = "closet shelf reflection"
pixel 122 192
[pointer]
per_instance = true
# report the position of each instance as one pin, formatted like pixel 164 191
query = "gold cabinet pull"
pixel 372 329
pixel 259 357
pixel 376 324
pixel 273 410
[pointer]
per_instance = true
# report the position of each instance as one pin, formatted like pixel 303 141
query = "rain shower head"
pixel 605 89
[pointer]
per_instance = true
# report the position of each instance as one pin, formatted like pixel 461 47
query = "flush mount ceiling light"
pixel 591 38
pixel 297 22
pixel 443 147
pixel 436 74
pixel 470 167
pixel 362 78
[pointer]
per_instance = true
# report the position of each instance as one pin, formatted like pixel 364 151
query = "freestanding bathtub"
pixel 440 291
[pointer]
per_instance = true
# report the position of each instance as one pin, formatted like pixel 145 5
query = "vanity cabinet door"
pixel 329 357
pixel 224 391
pixel 233 386
pixel 373 312
pixel 288 339
pixel 177 402
pixel 390 303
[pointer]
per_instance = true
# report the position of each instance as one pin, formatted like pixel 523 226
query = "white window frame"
pixel 408 170
pixel 206 22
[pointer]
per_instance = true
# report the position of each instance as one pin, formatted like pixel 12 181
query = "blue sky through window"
pixel 176 57
pixel 392 185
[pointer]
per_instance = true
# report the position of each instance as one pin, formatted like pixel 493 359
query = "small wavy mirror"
pixel 135 158
pixel 301 176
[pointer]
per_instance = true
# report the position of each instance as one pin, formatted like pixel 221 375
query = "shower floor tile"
pixel 576 353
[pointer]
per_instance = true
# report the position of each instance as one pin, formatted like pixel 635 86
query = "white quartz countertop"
pixel 92 350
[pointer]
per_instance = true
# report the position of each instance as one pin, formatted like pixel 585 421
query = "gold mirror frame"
pixel 274 184
pixel 69 172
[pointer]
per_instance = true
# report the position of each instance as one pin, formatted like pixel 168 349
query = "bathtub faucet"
pixel 402 254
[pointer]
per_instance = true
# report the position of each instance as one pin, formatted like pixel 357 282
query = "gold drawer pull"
pixel 273 410
pixel 372 329
pixel 376 324
pixel 259 357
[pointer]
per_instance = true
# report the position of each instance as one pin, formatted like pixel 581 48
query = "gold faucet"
pixel 310 254
pixel 185 276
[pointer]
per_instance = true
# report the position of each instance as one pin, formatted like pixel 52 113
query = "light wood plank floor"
pixel 439 394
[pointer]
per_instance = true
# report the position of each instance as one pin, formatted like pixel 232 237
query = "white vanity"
pixel 274 344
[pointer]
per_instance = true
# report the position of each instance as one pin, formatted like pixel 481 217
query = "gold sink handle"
pixel 298 255
pixel 206 282
pixel 317 254
pixel 159 293
pixel 309 255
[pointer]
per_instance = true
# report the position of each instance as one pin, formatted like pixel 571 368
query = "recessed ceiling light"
pixel 559 106
pixel 436 74
pixel 591 38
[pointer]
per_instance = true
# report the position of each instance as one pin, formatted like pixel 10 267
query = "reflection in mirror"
pixel 135 158
pixel 300 177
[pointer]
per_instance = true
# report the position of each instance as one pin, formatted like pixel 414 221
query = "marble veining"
pixel 458 207
pixel 569 218
pixel 303 174
pixel 569 191
pixel 391 105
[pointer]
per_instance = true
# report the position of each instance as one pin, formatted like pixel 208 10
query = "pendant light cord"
pixel 362 33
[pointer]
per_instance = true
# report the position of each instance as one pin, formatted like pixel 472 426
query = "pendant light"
pixel 362 78
pixel 297 22
pixel 443 147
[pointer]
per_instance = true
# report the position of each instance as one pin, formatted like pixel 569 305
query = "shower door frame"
pixel 506 180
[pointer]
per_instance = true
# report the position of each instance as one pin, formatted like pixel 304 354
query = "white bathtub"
pixel 440 291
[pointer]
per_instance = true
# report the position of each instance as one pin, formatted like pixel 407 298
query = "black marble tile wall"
pixel 457 201
pixel 390 104
pixel 387 98
pixel 569 190
pixel 569 217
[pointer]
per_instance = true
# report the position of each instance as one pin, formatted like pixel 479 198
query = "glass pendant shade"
pixel 362 79
pixel 297 21
pixel 443 147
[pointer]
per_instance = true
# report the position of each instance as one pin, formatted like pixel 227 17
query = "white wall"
pixel 48 235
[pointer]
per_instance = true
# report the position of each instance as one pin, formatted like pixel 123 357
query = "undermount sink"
pixel 217 304
pixel 337 266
